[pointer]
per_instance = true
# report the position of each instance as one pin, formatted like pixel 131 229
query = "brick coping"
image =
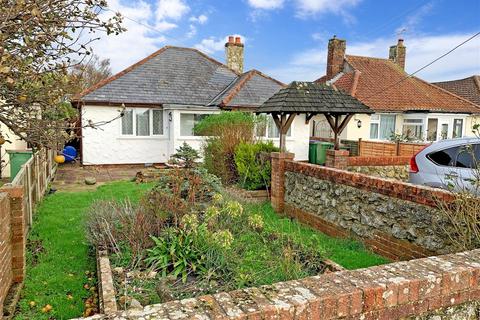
pixel 392 188
pixel 390 291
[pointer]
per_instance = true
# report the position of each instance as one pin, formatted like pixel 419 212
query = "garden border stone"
pixel 106 289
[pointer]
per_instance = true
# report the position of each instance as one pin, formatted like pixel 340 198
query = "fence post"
pixel 359 147
pixel 397 148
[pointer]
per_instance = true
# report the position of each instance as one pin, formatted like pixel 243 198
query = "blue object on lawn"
pixel 70 153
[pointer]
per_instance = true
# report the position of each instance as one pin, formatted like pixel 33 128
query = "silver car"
pixel 452 164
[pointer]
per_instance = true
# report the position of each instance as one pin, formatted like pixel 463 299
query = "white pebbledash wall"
pixel 106 145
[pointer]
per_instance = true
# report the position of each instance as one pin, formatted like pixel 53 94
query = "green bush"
pixel 186 155
pixel 225 132
pixel 253 164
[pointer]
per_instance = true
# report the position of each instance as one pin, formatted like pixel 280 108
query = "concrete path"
pixel 71 177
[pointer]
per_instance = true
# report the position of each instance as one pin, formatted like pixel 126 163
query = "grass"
pixel 348 253
pixel 61 262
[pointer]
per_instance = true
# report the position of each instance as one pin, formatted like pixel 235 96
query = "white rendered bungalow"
pixel 164 95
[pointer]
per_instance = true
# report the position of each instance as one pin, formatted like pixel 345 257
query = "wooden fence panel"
pixel 34 177
pixel 388 149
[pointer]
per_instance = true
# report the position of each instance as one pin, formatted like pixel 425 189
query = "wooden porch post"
pixel 283 124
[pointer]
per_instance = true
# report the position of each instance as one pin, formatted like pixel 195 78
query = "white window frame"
pixel 150 123
pixel 191 137
pixel 421 124
pixel 376 118
pixel 462 127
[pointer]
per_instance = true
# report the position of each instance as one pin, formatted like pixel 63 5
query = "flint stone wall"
pixel 390 172
pixel 364 212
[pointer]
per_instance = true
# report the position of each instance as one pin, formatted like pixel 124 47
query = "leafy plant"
pixel 225 132
pixel 121 227
pixel 253 164
pixel 174 254
pixel 187 155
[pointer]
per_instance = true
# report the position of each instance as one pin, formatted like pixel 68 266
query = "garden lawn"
pixel 60 262
pixel 349 253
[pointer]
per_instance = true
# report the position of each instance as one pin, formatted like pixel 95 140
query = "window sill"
pixel 193 138
pixel 142 138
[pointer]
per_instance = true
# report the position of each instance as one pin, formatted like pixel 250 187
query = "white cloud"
pixel 313 7
pixel 214 44
pixel 465 61
pixel 305 8
pixel 136 43
pixel 266 4
pixel 171 9
pixel 192 31
pixel 408 27
pixel 201 19
pixel 165 26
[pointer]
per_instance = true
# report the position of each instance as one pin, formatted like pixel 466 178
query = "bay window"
pixel 188 122
pixel 142 122
pixel 413 129
pixel 382 126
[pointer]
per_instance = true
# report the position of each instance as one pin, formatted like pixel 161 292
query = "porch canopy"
pixel 311 98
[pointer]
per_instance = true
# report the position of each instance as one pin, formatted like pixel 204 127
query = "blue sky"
pixel 287 39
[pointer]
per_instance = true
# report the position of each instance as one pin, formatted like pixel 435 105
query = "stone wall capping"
pixel 106 289
pixel 434 285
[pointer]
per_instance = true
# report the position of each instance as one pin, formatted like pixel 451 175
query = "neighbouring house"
pixel 404 106
pixel 12 143
pixel 164 96
pixel 468 88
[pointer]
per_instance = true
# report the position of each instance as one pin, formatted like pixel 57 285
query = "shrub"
pixel 122 228
pixel 187 155
pixel 225 132
pixel 463 213
pixel 179 192
pixel 253 164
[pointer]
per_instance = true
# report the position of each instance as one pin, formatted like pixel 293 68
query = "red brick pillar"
pixel 278 179
pixel 337 159
pixel 18 229
pixel 5 249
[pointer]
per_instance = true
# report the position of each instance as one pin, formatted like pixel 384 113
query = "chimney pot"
pixel 230 39
pixel 238 40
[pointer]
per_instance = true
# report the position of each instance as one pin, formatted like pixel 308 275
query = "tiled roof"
pixel 382 86
pixel 309 97
pixel 183 76
pixel 468 88
pixel 251 89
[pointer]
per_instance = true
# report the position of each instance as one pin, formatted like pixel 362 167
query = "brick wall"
pixel 395 219
pixel 401 190
pixel 399 290
pixel 278 179
pixel 5 248
pixel 12 239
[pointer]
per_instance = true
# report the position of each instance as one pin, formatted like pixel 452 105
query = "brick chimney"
pixel 336 54
pixel 398 54
pixel 234 53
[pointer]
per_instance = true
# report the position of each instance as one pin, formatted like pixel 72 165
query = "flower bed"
pixel 185 239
